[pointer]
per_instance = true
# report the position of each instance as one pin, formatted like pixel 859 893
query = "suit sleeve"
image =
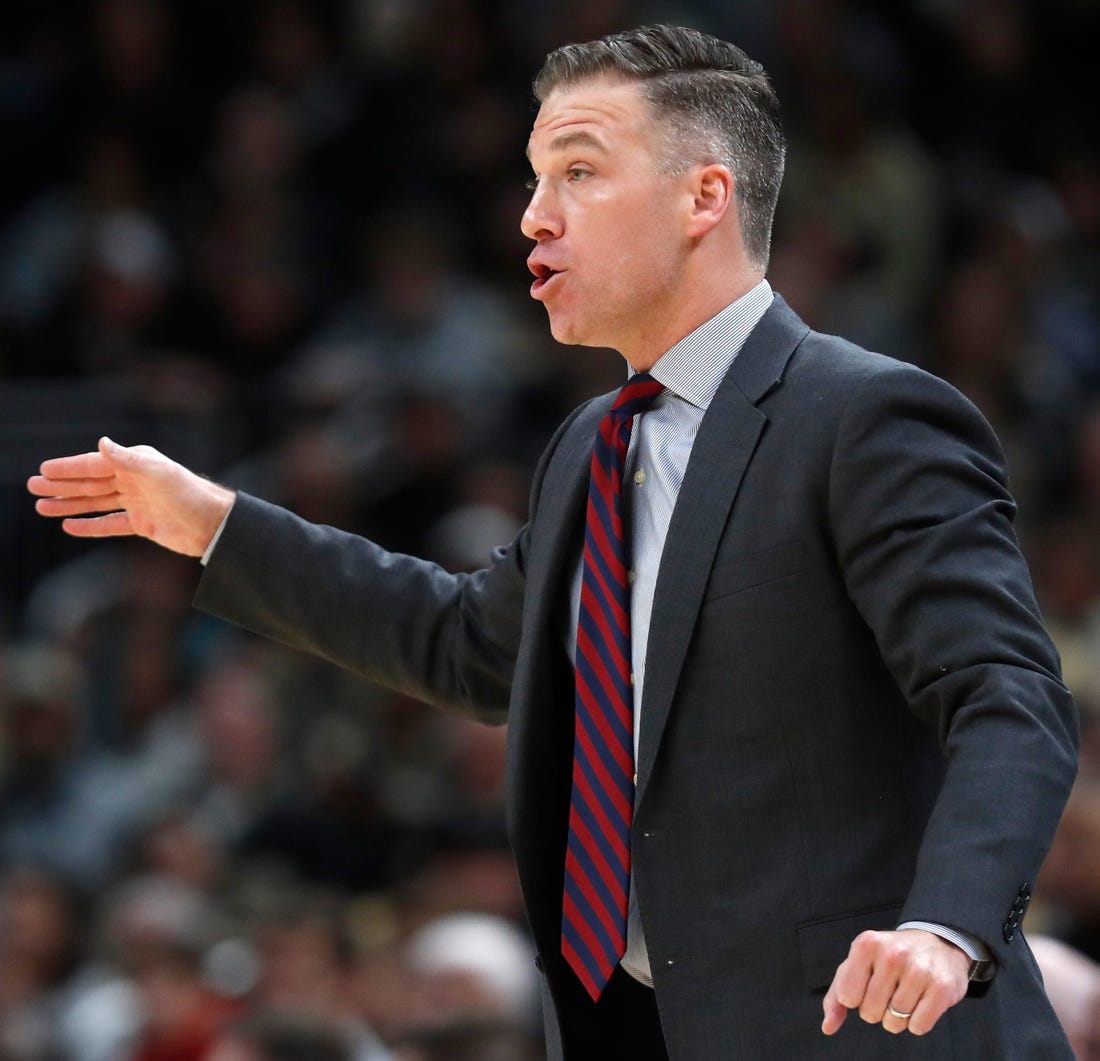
pixel 922 522
pixel 403 622
pixel 406 623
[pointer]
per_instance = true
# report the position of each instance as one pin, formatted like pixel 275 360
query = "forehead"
pixel 602 109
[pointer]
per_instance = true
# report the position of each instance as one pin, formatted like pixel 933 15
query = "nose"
pixel 542 218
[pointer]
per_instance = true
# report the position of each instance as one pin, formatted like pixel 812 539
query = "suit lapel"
pixel 545 714
pixel 562 495
pixel 720 455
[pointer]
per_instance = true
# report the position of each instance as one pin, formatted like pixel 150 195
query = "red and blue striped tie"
pixel 597 858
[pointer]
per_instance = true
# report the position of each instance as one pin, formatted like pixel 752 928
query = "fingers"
pixel 87 473
pixel 113 525
pixel 849 984
pixel 61 477
pixel 79 466
pixel 897 1015
pixel 41 486
pixel 84 484
pixel 938 997
pixel 81 475
pixel 77 506
pixel 835 1011
pixel 883 985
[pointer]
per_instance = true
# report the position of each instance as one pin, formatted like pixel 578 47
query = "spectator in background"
pixel 474 966
pixel 418 325
pixel 62 807
pixel 157 930
pixel 862 204
pixel 40 952
pixel 1073 984
pixel 271 1037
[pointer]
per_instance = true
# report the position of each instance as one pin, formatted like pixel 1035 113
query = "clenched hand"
pixel 903 980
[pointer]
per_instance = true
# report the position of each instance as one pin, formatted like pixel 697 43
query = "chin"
pixel 563 333
pixel 569 333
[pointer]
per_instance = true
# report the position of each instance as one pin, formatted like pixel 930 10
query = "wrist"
pixel 217 503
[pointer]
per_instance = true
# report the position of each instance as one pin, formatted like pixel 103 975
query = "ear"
pixel 712 195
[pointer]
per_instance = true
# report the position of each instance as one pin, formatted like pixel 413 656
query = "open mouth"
pixel 543 275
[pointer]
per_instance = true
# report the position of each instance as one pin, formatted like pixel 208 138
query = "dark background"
pixel 280 241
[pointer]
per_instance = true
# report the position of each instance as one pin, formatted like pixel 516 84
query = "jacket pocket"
pixel 825 941
pixel 733 574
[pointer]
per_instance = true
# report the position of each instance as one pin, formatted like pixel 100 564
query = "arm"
pixel 921 519
pixel 449 639
pixel 404 622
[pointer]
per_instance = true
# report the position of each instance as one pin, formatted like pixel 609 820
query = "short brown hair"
pixel 719 103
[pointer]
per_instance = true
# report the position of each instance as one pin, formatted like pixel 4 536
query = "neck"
pixel 699 306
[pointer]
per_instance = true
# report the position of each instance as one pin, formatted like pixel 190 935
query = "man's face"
pixel 609 226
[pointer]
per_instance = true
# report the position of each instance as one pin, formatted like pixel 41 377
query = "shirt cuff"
pixel 972 947
pixel 205 559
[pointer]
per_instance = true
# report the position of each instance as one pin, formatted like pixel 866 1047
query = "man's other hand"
pixel 910 972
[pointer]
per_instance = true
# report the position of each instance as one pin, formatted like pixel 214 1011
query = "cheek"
pixel 640 263
pixel 618 249
pixel 625 247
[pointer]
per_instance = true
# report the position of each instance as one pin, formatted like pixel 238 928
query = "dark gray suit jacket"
pixel 852 715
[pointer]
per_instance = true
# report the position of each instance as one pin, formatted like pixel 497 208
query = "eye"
pixel 575 173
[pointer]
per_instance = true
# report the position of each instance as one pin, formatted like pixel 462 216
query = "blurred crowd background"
pixel 279 240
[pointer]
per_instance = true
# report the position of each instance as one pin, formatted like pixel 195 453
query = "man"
pixel 851 743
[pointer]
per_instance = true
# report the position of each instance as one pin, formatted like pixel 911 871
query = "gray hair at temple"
pixel 719 104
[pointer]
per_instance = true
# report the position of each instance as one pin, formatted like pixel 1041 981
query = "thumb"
pixel 116 454
pixel 835 1012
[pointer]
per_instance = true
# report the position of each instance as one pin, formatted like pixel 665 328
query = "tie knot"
pixel 638 394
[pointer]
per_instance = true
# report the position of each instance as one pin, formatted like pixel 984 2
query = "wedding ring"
pixel 894 1013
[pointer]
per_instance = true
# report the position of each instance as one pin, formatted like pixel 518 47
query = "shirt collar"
pixel 696 365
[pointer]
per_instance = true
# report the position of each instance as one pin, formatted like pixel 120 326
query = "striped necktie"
pixel 597 859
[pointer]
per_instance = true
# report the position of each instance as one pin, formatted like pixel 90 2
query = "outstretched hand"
pixel 904 980
pixel 131 490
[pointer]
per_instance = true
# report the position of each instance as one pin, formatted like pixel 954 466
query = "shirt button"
pixel 631 575
pixel 639 477
pixel 635 779
pixel 631 677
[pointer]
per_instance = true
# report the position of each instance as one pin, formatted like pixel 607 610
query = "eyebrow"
pixel 572 139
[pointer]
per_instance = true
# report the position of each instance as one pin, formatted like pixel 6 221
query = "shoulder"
pixel 825 358
pixel 843 404
pixel 854 379
pixel 785 360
